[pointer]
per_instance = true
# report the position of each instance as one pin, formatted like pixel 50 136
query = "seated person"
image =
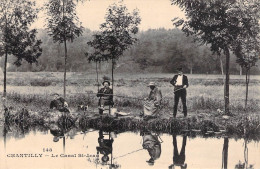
pixel 105 146
pixel 153 102
pixel 106 95
pixel 59 103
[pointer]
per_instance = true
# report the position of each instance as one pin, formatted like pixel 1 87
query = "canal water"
pixel 55 149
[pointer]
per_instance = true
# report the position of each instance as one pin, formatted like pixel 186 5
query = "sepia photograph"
pixel 129 84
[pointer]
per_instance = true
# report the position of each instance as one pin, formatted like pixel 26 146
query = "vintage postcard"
pixel 129 84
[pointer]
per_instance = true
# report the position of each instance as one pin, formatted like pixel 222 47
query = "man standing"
pixel 180 83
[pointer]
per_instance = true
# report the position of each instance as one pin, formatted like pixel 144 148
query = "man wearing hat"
pixel 153 102
pixel 105 146
pixel 152 144
pixel 180 83
pixel 106 96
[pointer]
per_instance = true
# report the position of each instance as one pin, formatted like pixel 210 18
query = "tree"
pixel 247 49
pixel 63 25
pixel 219 24
pixel 16 39
pixel 116 35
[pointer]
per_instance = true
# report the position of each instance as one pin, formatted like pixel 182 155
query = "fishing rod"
pixel 128 153
pixel 128 96
pixel 113 95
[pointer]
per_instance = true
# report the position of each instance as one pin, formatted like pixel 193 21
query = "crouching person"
pixel 59 103
pixel 152 144
pixel 105 95
pixel 152 104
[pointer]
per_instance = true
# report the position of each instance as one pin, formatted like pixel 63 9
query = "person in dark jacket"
pixel 179 158
pixel 105 95
pixel 59 103
pixel 180 83
pixel 105 146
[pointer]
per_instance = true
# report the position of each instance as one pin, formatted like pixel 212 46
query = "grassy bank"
pixel 203 124
pixel 31 91
pixel 239 127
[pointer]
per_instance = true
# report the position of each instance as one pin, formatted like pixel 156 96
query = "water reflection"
pixel 105 146
pixel 132 150
pixel 152 144
pixel 225 153
pixel 62 129
pixel 244 165
pixel 179 158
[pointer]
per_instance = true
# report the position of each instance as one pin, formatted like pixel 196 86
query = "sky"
pixel 154 13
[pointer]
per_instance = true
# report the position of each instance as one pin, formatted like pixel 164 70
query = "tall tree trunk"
pixel 246 153
pixel 240 70
pixel 65 69
pixel 247 83
pixel 113 75
pixel 191 70
pixel 97 75
pixel 5 70
pixel 221 66
pixel 227 82
pixel 225 154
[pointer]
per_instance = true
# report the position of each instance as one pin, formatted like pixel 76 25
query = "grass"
pixel 204 98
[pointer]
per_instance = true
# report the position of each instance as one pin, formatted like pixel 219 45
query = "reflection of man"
pixel 180 83
pixel 179 158
pixel 152 144
pixel 59 103
pixel 106 96
pixel 56 132
pixel 105 146
pixel 153 102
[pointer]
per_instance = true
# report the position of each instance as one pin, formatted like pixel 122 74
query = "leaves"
pixel 216 22
pixel 62 21
pixel 116 34
pixel 16 16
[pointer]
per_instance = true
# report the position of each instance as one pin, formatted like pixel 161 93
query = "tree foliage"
pixel 158 48
pixel 62 20
pixel 16 39
pixel 63 25
pixel 116 34
pixel 221 24
pixel 247 48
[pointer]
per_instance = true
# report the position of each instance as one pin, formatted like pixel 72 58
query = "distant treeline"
pixel 157 50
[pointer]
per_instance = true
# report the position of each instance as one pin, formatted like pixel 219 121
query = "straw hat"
pixel 151 84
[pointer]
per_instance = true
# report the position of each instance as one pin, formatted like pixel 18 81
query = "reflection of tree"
pixel 5 130
pixel 244 165
pixel 179 158
pixel 225 153
pixel 16 130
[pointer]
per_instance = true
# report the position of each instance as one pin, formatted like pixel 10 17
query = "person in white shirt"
pixel 180 83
